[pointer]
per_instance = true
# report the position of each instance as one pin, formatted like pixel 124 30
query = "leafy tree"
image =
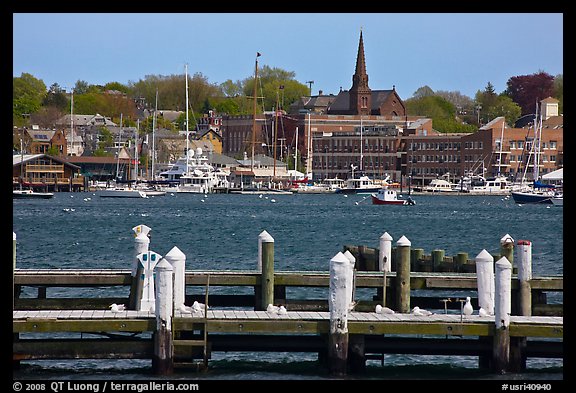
pixel 559 91
pixel 492 105
pixel 56 97
pixel 106 138
pixel 81 87
pixel 527 90
pixel 440 111
pixel 116 86
pixel 228 106
pixel 423 91
pixel 27 95
pixel 53 151
pixel 230 88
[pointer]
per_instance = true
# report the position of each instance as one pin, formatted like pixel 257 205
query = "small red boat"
pixel 386 196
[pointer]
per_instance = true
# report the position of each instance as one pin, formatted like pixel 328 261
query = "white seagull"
pixel 185 308
pixel 117 307
pixel 421 312
pixel 272 308
pixel 196 306
pixel 282 310
pixel 482 312
pixel 468 307
pixel 352 305
pixel 383 310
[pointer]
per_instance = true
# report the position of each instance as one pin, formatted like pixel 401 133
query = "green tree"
pixel 558 91
pixel 56 97
pixel 423 91
pixel 440 111
pixel 106 139
pixel 81 87
pixel 28 93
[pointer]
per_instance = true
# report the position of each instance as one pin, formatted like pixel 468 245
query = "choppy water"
pixel 82 230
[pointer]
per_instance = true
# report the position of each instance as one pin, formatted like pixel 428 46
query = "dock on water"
pixel 173 317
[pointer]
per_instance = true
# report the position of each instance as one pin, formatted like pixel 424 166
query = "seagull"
pixel 352 305
pixel 482 312
pixel 185 308
pixel 273 200
pixel 421 312
pixel 272 308
pixel 383 310
pixel 468 307
pixel 260 196
pixel 282 310
pixel 196 306
pixel 117 307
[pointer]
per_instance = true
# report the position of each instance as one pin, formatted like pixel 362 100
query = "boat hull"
pixel 357 190
pixel 127 193
pixel 377 201
pixel 28 194
pixel 530 197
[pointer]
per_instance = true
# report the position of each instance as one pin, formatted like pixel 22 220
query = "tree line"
pixel 451 111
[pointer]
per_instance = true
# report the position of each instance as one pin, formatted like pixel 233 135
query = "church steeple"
pixel 360 93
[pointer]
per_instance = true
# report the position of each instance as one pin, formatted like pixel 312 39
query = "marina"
pixel 235 265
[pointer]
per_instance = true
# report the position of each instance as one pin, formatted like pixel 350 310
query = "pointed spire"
pixel 360 61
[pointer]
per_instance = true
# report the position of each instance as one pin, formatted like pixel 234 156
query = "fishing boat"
pixel 359 185
pixel 387 196
pixel 31 194
pixel 439 185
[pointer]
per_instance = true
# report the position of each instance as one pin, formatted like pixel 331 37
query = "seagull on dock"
pixel 352 305
pixel 383 310
pixel 468 310
pixel 272 308
pixel 117 307
pixel 282 310
pixel 186 309
pixel 421 312
pixel 482 312
pixel 197 306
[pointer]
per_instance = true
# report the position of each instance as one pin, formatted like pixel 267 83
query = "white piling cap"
pixel 350 257
pixel 175 253
pixel 340 258
pixel 484 256
pixel 386 236
pixel 164 265
pixel 403 241
pixel 141 229
pixel 507 239
pixel 503 263
pixel 265 237
pixel 13 235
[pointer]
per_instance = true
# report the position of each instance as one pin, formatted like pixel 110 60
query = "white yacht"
pixel 200 178
pixel 479 185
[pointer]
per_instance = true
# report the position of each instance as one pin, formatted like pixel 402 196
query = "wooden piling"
pixel 385 253
pixel 162 361
pixel 403 276
pixel 523 304
pixel 338 307
pixel 485 281
pixel 267 277
pixel 507 249
pixel 177 259
pixel 357 353
pixel 502 310
pixel 141 244
pixel 416 255
pixel 13 265
pixel 460 263
pixel 351 276
pixel 437 260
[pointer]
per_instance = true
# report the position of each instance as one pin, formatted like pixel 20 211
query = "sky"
pixel 445 51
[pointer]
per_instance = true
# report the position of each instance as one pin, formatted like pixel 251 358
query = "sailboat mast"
pixel 276 131
pixel 187 135
pixel 296 152
pixel 136 150
pixel 154 133
pixel 119 148
pixel 254 110
pixel 71 121
pixel 309 150
pixel 501 147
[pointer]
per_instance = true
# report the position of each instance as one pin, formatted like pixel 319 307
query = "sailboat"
pixel 121 191
pixel 536 192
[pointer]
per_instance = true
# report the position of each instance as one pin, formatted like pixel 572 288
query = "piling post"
pixel 148 261
pixel 524 303
pixel 338 306
pixel 485 281
pixel 177 259
pixel 385 254
pixel 13 266
pixel 507 248
pixel 141 244
pixel 437 260
pixel 460 261
pixel 416 255
pixel 403 275
pixel 351 285
pixel 502 310
pixel 162 362
pixel 267 263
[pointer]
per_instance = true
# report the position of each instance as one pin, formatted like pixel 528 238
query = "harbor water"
pixel 220 232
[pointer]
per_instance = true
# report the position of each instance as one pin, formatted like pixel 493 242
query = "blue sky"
pixel 446 51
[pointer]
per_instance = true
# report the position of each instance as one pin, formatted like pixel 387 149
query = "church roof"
pixel 342 102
